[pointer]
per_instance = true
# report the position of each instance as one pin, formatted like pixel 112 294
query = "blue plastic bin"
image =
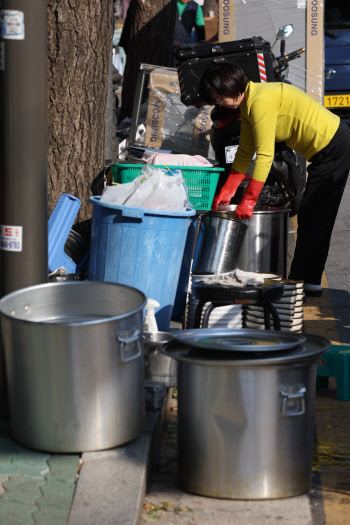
pixel 139 247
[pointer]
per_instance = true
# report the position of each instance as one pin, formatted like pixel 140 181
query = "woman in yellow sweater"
pixel 277 112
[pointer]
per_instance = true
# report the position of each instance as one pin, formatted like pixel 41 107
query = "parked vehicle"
pixel 337 58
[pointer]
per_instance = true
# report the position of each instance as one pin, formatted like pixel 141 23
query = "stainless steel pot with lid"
pixel 246 411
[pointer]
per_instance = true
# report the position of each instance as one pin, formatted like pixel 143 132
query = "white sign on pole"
pixel 12 24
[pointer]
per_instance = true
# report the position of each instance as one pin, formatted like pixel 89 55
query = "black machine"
pixel 285 184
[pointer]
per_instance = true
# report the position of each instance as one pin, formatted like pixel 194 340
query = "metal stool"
pixel 263 295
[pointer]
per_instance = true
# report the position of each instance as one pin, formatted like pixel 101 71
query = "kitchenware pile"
pixel 289 309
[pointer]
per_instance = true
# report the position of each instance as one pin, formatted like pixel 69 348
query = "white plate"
pixel 291 323
pixel 258 326
pixel 284 309
pixel 293 284
pixel 283 316
pixel 270 276
pixel 255 325
pixel 286 300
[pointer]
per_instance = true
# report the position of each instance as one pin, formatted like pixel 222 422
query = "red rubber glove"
pixel 245 208
pixel 229 188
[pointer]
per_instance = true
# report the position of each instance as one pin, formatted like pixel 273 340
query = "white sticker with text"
pixel 12 24
pixel 11 238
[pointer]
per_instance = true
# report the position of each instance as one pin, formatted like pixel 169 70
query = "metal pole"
pixel 23 138
pixel 23 145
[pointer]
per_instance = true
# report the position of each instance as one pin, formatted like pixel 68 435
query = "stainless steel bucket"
pixel 74 363
pixel 245 419
pixel 264 246
pixel 219 242
pixel 158 367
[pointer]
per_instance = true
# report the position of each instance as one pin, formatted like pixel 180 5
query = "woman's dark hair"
pixel 226 79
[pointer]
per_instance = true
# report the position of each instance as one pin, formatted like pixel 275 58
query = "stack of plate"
pixel 289 309
pixel 229 316
pixel 270 276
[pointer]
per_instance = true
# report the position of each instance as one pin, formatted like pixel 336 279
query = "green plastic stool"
pixel 336 363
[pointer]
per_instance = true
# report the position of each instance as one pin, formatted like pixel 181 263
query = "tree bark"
pixel 148 37
pixel 79 47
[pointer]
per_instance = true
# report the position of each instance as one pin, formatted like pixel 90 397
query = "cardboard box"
pixel 170 125
pixel 315 49
pixel 211 28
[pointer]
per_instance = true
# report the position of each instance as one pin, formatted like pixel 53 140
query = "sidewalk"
pixel 109 487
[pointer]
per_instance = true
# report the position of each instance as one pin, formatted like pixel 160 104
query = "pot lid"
pixel 311 349
pixel 240 340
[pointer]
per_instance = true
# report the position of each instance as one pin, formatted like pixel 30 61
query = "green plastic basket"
pixel 200 181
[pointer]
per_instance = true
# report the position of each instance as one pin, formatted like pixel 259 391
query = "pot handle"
pixel 290 404
pixel 125 341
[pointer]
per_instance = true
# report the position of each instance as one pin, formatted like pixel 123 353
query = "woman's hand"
pixel 245 208
pixel 229 189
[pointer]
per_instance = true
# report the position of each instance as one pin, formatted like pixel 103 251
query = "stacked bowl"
pixel 230 316
pixel 289 309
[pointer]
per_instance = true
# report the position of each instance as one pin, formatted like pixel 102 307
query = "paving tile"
pixel 15 513
pixel 36 488
pixel 51 516
pixel 19 466
pixel 15 459
pixel 56 494
pixel 57 491
pixel 64 466
pixel 23 489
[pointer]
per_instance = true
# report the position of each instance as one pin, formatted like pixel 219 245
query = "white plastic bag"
pixel 117 194
pixel 144 190
pixel 161 189
pixel 169 193
pixel 155 188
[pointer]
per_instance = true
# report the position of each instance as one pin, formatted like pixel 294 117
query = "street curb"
pixel 112 483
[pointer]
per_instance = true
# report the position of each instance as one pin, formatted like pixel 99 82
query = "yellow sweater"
pixel 278 112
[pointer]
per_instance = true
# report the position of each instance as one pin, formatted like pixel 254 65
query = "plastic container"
pixel 139 247
pixel 201 181
pixel 60 223
pixel 336 363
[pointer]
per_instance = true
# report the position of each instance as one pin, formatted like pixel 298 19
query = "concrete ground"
pixel 110 487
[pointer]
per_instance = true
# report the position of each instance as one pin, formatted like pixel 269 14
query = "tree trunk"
pixel 148 37
pixel 79 47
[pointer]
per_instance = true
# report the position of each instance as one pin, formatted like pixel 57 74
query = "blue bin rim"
pixel 129 211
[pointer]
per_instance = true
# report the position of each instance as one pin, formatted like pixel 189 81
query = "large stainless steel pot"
pixel 74 363
pixel 245 417
pixel 263 248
